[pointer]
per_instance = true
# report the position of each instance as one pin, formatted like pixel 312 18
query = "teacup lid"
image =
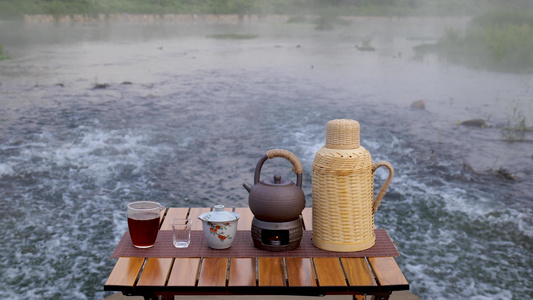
pixel 219 215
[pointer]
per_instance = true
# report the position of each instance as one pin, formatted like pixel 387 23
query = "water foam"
pixel 74 207
pixel 451 227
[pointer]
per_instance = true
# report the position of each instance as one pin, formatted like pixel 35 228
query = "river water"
pixel 184 118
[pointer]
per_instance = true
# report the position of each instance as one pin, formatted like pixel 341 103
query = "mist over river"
pixel 95 115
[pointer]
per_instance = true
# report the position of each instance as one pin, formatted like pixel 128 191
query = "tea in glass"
pixel 143 222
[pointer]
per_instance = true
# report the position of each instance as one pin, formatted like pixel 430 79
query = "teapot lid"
pixel 343 134
pixel 277 181
pixel 219 215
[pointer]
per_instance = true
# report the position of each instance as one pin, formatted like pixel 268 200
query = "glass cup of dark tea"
pixel 143 222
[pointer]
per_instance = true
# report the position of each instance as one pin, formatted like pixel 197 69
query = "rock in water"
pixel 100 86
pixel 475 123
pixel 506 174
pixel 419 104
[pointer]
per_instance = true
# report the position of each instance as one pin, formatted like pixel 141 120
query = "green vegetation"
pixel 499 40
pixel 517 123
pixel 328 18
pixel 2 55
pixel 232 36
pixel 10 8
pixel 366 45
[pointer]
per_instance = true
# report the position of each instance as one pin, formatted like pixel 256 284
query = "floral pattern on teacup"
pixel 219 229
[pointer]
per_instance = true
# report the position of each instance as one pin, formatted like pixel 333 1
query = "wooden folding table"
pixel 153 277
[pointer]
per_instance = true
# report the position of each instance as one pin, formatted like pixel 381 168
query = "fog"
pixel 95 114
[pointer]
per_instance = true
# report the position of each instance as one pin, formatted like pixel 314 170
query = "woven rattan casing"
pixel 343 190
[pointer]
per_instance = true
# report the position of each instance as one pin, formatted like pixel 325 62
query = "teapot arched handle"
pixel 385 186
pixel 296 164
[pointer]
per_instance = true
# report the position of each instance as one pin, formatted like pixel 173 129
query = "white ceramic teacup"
pixel 220 227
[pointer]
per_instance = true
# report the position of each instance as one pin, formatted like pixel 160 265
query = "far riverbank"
pixel 201 18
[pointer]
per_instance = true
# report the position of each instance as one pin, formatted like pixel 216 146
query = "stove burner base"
pixel 277 236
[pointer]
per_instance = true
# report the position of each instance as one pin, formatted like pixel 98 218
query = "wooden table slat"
pixel 172 213
pixel 242 272
pixel 125 272
pixel 387 271
pixel 300 272
pixel 184 272
pixel 155 272
pixel 193 215
pixel 358 272
pixel 162 216
pixel 329 271
pixel 307 215
pixel 213 272
pixel 246 217
pixel 271 271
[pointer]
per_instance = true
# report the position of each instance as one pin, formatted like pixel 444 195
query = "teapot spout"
pixel 247 187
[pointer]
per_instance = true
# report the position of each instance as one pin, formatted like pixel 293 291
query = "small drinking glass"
pixel 181 232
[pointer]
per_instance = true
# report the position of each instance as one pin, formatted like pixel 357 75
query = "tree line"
pixel 347 7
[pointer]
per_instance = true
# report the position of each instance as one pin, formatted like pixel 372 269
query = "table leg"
pixel 166 296
pixel 150 297
pixel 381 296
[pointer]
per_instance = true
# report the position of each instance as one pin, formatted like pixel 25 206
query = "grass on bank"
pixel 498 40
pixel 517 122
pixel 232 36
pixel 2 55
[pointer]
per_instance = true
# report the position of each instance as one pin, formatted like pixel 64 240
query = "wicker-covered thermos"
pixel 343 190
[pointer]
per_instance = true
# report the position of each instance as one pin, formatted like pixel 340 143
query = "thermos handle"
pixel 385 186
pixel 296 164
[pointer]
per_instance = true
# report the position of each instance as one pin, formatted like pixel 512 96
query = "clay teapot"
pixel 276 199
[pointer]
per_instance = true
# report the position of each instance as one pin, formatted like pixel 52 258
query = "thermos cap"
pixel 343 134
